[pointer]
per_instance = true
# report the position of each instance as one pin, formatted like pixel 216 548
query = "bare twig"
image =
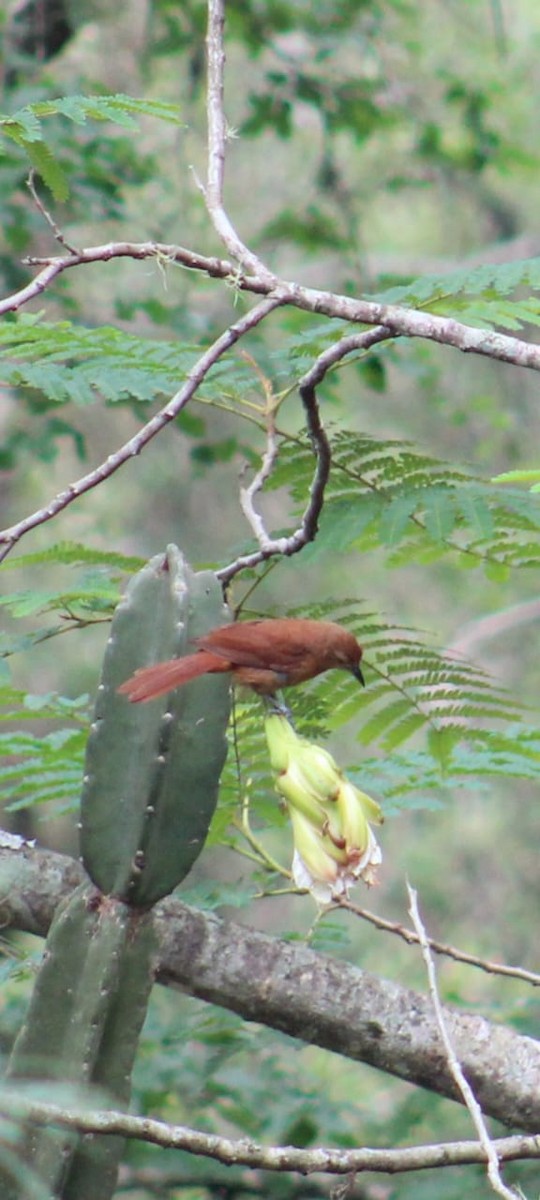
pixel 31 185
pixel 245 1152
pixel 387 321
pixel 217 141
pixel 321 446
pixel 53 266
pixel 247 494
pixel 339 350
pixel 307 530
pixel 9 537
pixel 464 1087
pixel 412 938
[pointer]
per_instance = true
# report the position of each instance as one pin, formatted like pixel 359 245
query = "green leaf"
pixel 396 517
pixel 524 476
pixel 440 515
pixel 498 279
pixel 75 554
pixel 497 572
pixel 48 168
pixel 25 127
pixel 91 597
pixel 388 493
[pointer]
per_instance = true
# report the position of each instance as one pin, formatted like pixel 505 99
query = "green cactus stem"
pixel 150 789
pixel 152 770
pixel 82 1028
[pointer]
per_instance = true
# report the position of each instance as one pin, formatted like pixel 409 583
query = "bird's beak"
pixel 357 672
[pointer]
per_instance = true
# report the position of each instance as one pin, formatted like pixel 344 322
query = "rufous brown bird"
pixel 266 655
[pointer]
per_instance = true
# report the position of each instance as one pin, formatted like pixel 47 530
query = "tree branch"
pixel 53 266
pixel 306 995
pixel 31 185
pixel 411 938
pixel 400 322
pixel 217 141
pixel 307 530
pixel 9 537
pixel 245 1152
pixel 387 321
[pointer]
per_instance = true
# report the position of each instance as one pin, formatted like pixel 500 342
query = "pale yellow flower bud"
pixel 334 844
pixel 281 738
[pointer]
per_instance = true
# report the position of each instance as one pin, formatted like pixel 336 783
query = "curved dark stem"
pixel 307 530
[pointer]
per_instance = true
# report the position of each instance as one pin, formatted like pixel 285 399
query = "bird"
pixel 266 654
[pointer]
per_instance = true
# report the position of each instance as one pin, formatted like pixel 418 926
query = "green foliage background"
pixel 382 149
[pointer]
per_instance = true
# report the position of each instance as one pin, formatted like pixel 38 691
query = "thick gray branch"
pixel 400 322
pixel 310 996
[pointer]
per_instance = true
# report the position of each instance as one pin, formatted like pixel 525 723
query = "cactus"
pixel 149 793
pixel 152 770
pixel 83 1025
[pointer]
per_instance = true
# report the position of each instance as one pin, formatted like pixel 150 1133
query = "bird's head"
pixel 348 655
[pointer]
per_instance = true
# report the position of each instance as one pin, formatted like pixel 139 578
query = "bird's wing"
pixel 267 644
pixel 163 677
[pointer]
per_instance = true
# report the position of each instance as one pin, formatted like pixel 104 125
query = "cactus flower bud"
pixel 334 843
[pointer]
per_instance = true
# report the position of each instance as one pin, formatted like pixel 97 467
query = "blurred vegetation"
pixel 382 148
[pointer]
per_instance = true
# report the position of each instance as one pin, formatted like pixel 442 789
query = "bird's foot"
pixel 276 704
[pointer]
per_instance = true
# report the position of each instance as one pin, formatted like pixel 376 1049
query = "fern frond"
pixel 75 554
pixel 87 598
pixel 418 507
pixel 34 767
pixel 412 779
pixel 25 127
pixel 487 287
pixel 68 363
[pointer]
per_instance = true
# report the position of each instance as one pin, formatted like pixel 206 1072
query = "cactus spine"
pixel 149 793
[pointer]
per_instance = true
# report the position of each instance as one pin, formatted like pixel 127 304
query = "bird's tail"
pixel 149 682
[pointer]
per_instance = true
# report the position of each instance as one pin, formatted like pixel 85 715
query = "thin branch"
pixel 339 350
pixel 307 530
pixel 31 185
pixel 247 494
pixel 9 537
pixel 164 253
pixel 443 948
pixel 469 1098
pixel 245 1152
pixel 217 142
pixel 321 446
pixel 399 321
